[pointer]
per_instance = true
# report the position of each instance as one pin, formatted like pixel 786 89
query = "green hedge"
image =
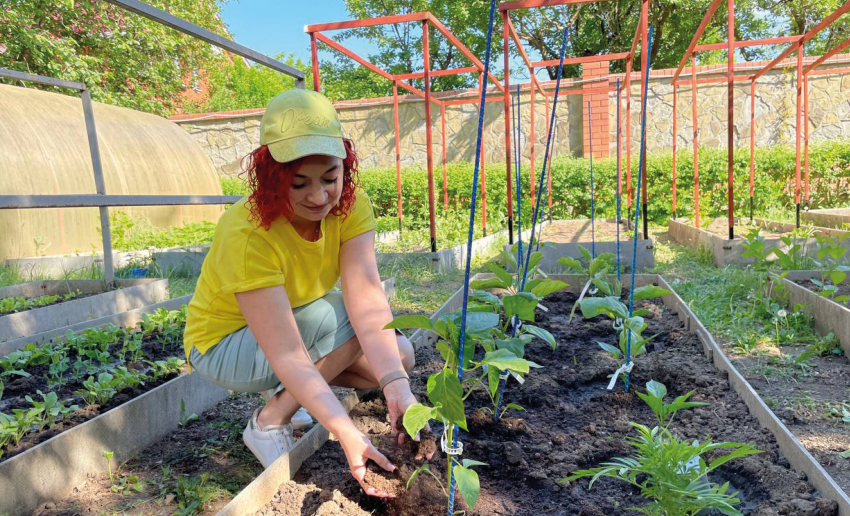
pixel 774 185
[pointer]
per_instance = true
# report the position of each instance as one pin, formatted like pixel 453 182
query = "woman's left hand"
pixel 399 399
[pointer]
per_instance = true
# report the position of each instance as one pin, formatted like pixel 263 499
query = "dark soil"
pixel 170 472
pixel 579 231
pixel 843 288
pixel 571 422
pixel 17 388
pixel 720 226
pixel 58 301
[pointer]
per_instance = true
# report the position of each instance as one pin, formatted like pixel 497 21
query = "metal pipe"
pixel 709 13
pixel 730 115
pixel 314 55
pixel 644 84
pixel 797 128
pixel 696 138
pixel 506 52
pixel 619 146
pixel 752 147
pixel 583 59
pixel 531 135
pixel 27 201
pixel 397 153
pixel 548 165
pixel 629 134
pixel 429 137
pixel 483 174
pixel 806 136
pixel 675 91
pixel 445 175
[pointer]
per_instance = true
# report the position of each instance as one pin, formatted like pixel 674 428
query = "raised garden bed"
pixel 564 237
pixel 713 237
pixel 572 422
pixel 90 301
pixel 451 258
pixel 827 218
pixel 120 423
pixel 829 316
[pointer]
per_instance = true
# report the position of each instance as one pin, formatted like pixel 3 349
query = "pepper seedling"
pixel 444 389
pixel 670 472
pixel 624 324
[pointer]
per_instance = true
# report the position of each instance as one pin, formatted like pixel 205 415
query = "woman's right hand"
pixel 358 449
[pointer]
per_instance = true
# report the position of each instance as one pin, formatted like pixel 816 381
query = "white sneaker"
pixel 269 443
pixel 301 419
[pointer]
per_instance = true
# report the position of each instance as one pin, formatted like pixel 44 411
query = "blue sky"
pixel 274 26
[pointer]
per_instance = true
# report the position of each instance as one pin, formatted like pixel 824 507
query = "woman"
pixel 265 313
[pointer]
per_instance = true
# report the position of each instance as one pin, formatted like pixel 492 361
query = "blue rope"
pixel 537 205
pixel 637 203
pixel 618 180
pixel 592 214
pixel 481 106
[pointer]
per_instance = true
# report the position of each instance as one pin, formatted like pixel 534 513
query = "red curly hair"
pixel 270 182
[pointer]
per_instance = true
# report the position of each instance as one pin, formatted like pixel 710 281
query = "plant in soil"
pixel 444 389
pixel 629 329
pixel 15 304
pixel 829 260
pixel 671 473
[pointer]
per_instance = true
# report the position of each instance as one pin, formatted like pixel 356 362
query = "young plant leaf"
pixel 444 389
pixel 506 361
pixel 468 484
pixel 410 321
pixel 505 276
pixel 650 292
pixel 514 345
pixel 543 287
pixel 522 305
pixel 416 417
pixel 487 284
pixel 611 349
pixel 542 334
pixel 571 263
pixel 610 306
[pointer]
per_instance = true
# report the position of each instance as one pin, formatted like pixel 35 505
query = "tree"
pixel 241 84
pixel 124 59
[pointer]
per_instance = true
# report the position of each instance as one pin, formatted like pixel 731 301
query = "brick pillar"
pixel 598 109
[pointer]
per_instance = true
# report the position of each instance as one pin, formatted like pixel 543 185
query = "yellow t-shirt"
pixel 246 257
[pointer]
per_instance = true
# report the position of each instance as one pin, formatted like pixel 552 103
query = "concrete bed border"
pixel 132 294
pixel 453 257
pixel 257 496
pixel 727 252
pixel 49 471
pixel 828 218
pixel 25 482
pixel 828 315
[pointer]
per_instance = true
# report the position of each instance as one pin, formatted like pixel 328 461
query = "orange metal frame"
pixel 428 21
pixel 509 32
pixel 796 45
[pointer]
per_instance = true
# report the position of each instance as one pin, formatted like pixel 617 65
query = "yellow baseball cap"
pixel 300 123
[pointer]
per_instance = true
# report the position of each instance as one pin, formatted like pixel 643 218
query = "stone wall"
pixel 228 136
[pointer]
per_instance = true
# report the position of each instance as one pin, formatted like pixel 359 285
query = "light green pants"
pixel 237 363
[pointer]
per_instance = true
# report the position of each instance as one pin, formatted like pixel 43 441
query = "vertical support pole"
pixel 730 115
pixel 547 165
pixel 806 136
pixel 644 84
pixel 619 146
pixel 629 133
pixel 531 132
pixel 797 129
pixel 481 85
pixel 314 53
pixel 397 152
pixel 752 147
pixel 675 137
pixel 507 96
pixel 531 181
pixel 445 175
pixel 429 137
pixel 100 185
pixel 696 137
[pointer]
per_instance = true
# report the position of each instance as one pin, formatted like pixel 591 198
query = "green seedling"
pixel 60 364
pixel 185 419
pixel 829 259
pixel 100 391
pixel 11 305
pixel 108 456
pixel 669 472
pixel 624 325
pixel 163 368
pixel 593 274
pixel 51 409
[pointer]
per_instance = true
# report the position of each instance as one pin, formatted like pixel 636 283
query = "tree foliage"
pixel 124 59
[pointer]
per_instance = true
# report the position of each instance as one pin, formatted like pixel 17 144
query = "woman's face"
pixel 316 187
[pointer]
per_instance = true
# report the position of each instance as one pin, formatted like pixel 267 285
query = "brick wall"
pixel 595 128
